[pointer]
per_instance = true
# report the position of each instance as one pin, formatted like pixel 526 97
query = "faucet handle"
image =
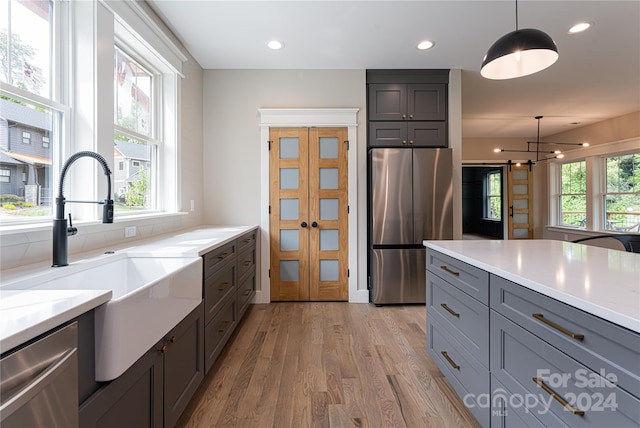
pixel 71 230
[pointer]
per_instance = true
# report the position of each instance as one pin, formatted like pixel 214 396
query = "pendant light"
pixel 519 53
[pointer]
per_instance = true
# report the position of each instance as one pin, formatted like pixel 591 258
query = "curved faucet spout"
pixel 60 229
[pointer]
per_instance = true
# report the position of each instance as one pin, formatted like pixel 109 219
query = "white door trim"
pixel 323 117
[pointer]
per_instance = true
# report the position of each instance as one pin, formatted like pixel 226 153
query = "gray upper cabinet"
pixel 394 101
pixel 407 108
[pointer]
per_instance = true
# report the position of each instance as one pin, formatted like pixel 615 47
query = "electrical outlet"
pixel 129 231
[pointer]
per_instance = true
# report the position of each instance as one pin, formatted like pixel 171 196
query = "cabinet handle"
pixel 446 269
pixel 224 284
pixel 224 327
pixel 451 311
pixel 410 141
pixel 404 116
pixel 449 360
pixel 247 292
pixel 171 339
pixel 247 263
pixel 303 224
pixel 246 241
pixel 223 255
pixel 404 141
pixel 557 397
pixel 562 330
pixel 410 116
pixel 162 350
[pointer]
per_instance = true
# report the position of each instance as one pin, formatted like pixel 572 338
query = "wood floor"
pixel 327 365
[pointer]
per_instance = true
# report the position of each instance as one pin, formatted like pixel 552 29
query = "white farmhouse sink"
pixel 149 297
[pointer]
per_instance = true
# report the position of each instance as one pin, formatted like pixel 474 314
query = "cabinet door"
pixel 387 101
pixel 131 400
pixel 183 365
pixel 388 134
pixel 426 101
pixel 427 134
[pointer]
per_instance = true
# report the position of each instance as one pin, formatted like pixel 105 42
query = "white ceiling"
pixel 596 77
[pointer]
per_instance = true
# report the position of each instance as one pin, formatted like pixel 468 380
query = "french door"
pixel 308 197
pixel 520 184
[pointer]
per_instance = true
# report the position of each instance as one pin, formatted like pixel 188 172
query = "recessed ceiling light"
pixel 579 28
pixel 427 44
pixel 275 45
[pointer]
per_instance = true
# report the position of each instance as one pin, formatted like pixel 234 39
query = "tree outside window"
pixel 622 196
pixel 573 194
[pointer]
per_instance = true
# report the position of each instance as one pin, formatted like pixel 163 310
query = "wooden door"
pixel 308 210
pixel 520 194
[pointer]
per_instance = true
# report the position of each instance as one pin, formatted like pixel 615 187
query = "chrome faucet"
pixel 60 229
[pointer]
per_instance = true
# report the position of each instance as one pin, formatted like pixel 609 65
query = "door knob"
pixel 314 224
pixel 303 224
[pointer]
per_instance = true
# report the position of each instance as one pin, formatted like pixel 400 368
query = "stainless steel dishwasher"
pixel 39 386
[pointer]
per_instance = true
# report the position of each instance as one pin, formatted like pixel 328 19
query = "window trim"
pixel 489 196
pixel 595 186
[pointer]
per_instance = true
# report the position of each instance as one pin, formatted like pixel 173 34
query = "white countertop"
pixel 192 243
pixel 25 314
pixel 603 282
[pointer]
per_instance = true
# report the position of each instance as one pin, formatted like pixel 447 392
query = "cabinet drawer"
pixel 247 240
pixel 427 134
pixel 246 262
pixel 521 362
pixel 217 332
pixel 216 288
pixel 468 377
pixel 246 291
pixel 214 259
pixel 461 315
pixel 470 279
pixel 605 346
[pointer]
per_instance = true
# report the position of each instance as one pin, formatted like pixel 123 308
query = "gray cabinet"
pixel 157 388
pixel 229 279
pixel 549 364
pixel 458 327
pixel 407 108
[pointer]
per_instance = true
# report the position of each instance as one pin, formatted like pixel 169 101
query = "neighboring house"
pixel 129 159
pixel 25 151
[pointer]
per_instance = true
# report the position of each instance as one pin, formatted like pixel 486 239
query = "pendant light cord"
pixel 516 15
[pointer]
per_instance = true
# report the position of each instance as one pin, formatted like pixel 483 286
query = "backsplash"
pixel 27 247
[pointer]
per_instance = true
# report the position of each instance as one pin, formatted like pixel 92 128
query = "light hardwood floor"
pixel 327 365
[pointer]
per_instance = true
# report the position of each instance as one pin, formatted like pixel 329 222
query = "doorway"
pixel 483 202
pixel 308 214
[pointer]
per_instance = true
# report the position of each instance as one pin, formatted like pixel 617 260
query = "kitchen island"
pixel 537 332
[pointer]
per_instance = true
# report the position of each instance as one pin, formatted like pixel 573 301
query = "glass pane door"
pixel 520 202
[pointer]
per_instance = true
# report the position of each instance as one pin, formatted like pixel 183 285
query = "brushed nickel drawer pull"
pixel 558 398
pixel 224 286
pixel 563 330
pixel 451 311
pixel 224 326
pixel 446 269
pixel 247 262
pixel 449 360
pixel 247 292
pixel 223 255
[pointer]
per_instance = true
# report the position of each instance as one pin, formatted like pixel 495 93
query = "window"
pixel 120 165
pixel 622 194
pixel 573 194
pixel 32 104
pixel 135 130
pixel 494 195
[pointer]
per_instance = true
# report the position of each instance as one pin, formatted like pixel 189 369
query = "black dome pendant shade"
pixel 519 53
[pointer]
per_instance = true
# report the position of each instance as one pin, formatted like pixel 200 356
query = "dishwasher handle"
pixel 30 390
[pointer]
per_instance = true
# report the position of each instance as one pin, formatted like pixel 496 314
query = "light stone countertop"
pixel 600 281
pixel 25 314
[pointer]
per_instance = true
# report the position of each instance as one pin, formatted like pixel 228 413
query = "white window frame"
pixel 489 196
pixel 596 181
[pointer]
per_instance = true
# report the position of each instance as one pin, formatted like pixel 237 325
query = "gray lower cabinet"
pixel 518 358
pixel 229 283
pixel 157 388
pixel 458 328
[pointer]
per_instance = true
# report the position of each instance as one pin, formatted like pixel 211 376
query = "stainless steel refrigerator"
pixel 410 200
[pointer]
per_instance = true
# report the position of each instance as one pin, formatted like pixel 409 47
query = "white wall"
pixel 232 138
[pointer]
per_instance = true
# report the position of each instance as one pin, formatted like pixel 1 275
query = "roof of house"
pixel 133 150
pixel 21 113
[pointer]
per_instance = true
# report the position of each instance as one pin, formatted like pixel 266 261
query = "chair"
pixel 632 228
pixel 630 241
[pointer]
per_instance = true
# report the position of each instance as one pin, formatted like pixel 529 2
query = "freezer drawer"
pixel 398 276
